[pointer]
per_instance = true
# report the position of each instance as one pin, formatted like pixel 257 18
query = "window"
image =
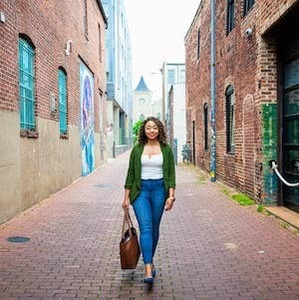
pixel 100 43
pixel 141 101
pixel 26 85
pixel 62 101
pixel 247 6
pixel 198 43
pixel 205 118
pixel 85 19
pixel 230 119
pixel 230 16
pixel 171 76
pixel 183 76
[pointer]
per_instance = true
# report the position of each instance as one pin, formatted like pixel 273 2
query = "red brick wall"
pixel 8 62
pixel 249 64
pixel 198 83
pixel 236 66
pixel 50 24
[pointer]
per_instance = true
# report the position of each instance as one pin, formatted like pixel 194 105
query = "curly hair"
pixel 142 139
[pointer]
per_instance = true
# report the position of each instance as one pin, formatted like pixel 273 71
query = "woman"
pixel 150 187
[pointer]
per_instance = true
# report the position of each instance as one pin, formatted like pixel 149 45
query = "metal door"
pixel 290 139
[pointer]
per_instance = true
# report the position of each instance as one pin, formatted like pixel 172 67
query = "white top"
pixel 152 168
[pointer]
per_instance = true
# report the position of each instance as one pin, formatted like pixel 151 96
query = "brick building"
pixel 52 97
pixel 256 103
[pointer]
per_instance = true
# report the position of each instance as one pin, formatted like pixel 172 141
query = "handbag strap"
pixel 127 221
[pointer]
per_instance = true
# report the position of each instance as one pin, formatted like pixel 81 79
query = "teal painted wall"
pixel 269 151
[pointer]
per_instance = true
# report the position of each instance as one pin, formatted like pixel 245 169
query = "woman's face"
pixel 151 130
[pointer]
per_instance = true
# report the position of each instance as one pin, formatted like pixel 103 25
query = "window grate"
pixel 26 85
pixel 62 102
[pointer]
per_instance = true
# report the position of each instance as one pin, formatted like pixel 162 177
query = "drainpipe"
pixel 213 94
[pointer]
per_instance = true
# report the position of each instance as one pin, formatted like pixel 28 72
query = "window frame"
pixel 198 44
pixel 100 43
pixel 206 128
pixel 26 88
pixel 172 72
pixel 85 19
pixel 62 92
pixel 248 4
pixel 230 22
pixel 230 119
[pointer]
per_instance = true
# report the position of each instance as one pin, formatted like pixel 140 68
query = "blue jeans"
pixel 148 208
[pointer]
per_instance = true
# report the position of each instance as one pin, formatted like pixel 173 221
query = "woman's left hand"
pixel 169 203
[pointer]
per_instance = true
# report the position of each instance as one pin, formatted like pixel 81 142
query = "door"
pixel 290 139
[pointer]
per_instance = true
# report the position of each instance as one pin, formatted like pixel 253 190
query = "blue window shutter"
pixel 26 85
pixel 62 102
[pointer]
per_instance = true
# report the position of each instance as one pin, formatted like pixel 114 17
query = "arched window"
pixel 230 119
pixel 62 81
pixel 141 101
pixel 206 133
pixel 26 84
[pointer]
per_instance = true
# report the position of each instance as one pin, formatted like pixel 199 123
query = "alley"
pixel 210 247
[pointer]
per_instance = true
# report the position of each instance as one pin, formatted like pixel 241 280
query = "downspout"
pixel 213 94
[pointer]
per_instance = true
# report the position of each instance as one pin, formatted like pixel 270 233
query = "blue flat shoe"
pixel 149 280
pixel 154 273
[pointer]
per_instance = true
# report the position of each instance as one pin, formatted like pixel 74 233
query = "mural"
pixel 87 119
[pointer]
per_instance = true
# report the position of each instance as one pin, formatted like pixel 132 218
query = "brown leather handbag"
pixel 129 245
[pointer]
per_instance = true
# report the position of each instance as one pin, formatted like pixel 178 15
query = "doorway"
pixel 288 45
pixel 290 137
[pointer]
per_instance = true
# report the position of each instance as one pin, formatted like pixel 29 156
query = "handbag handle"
pixel 127 220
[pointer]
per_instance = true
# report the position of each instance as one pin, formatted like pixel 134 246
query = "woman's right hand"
pixel 126 204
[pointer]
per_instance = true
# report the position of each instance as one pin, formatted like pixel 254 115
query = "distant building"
pixel 173 99
pixel 177 122
pixel 172 73
pixel 142 101
pixel 257 103
pixel 119 79
pixel 52 98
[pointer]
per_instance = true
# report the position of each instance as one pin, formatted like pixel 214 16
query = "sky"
pixel 157 30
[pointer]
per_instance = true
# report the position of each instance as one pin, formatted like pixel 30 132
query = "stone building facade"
pixel 257 103
pixel 52 97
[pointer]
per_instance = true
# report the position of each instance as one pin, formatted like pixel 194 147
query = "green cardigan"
pixel 133 180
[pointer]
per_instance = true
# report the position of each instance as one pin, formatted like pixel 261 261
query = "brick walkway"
pixel 210 247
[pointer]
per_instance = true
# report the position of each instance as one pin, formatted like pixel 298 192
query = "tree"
pixel 136 128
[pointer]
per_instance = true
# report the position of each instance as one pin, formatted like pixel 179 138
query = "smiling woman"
pixel 150 187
